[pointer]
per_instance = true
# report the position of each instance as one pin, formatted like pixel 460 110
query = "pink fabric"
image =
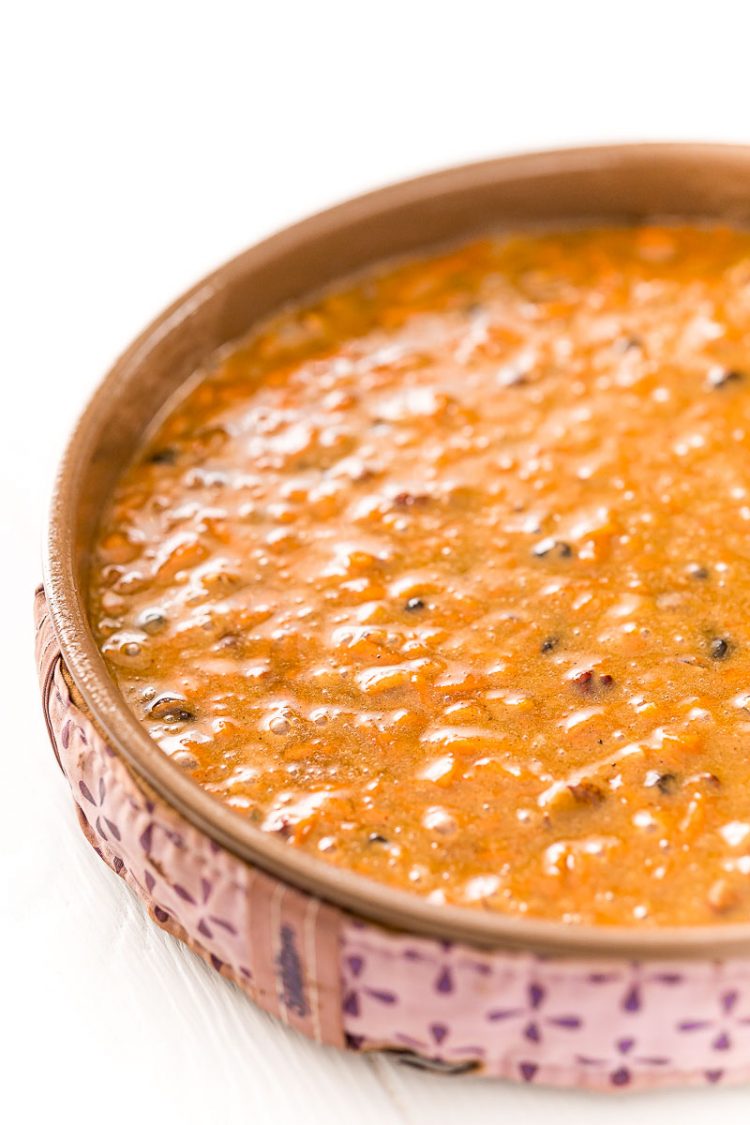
pixel 609 1025
pixel 606 1025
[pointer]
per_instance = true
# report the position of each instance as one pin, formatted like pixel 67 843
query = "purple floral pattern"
pixel 603 1025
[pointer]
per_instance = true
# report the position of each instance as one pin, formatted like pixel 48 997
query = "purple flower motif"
pixel 724 1026
pixel 639 977
pixel 613 1064
pixel 206 924
pixel 532 1029
pixel 355 996
pixel 636 978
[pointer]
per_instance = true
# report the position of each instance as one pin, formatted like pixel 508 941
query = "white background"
pixel 141 144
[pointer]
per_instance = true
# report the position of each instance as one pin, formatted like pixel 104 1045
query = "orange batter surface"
pixel 445 577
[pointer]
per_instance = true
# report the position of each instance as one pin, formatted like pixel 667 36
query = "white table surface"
pixel 143 144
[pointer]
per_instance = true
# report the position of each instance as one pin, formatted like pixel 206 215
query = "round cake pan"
pixel 341 958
